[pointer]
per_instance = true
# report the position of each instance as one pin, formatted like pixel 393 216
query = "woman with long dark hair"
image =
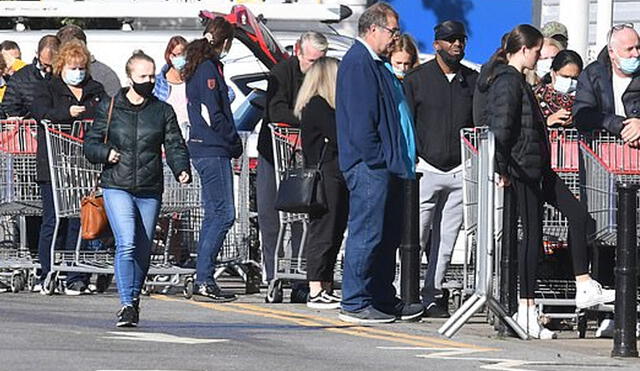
pixel 523 162
pixel 213 142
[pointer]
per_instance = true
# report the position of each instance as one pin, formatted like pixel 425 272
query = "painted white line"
pixel 158 338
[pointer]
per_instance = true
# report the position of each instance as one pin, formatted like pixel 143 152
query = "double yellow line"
pixel 330 325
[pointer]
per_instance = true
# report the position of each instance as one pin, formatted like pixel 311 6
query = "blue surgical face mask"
pixel 628 66
pixel 74 77
pixel 178 62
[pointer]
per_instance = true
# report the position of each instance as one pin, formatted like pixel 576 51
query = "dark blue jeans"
pixel 68 233
pixel 216 179
pixel 133 220
pixel 375 217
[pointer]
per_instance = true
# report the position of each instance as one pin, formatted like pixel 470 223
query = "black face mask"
pixel 452 61
pixel 144 89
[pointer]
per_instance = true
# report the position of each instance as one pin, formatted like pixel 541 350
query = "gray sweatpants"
pixel 441 213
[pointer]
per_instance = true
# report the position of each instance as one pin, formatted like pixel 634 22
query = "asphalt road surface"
pixel 77 333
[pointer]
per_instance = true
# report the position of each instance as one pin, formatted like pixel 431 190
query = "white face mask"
pixel 398 72
pixel 543 67
pixel 565 85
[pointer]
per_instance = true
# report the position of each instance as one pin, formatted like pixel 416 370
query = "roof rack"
pixel 329 13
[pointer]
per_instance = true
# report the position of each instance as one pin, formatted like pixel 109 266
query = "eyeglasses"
pixel 618 27
pixel 395 32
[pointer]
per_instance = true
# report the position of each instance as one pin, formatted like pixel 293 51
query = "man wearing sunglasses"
pixel 440 96
pixel 608 92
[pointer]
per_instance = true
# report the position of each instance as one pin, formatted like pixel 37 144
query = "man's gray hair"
pixel 317 41
pixel 376 14
pixel 614 30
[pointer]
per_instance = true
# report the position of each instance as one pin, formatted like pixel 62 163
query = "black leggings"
pixel 531 196
pixel 326 231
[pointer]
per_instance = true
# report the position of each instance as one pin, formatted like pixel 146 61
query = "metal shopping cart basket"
pixel 72 178
pixel 289 261
pixel 19 198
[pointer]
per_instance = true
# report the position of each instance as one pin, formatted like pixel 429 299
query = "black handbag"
pixel 302 189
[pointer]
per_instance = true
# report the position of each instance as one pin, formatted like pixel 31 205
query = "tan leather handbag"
pixel 93 216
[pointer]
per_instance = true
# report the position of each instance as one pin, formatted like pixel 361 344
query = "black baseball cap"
pixel 449 29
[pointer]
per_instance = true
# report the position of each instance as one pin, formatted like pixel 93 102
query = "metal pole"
pixel 604 21
pixel 624 335
pixel 410 243
pixel 575 15
pixel 509 259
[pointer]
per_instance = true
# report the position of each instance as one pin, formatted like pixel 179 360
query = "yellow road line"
pixel 309 320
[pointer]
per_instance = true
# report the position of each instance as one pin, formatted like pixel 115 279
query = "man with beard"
pixel 440 96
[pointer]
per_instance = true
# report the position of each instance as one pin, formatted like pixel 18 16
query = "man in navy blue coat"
pixel 376 150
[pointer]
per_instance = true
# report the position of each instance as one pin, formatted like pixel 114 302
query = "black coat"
pixel 317 122
pixel 21 89
pixel 594 107
pixel 440 109
pixel 138 134
pixel 284 82
pixel 513 115
pixel 51 102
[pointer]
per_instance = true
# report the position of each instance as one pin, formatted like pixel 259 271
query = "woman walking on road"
pixel 128 136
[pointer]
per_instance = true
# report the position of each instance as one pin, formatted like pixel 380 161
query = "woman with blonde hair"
pixel 315 107
pixel 404 56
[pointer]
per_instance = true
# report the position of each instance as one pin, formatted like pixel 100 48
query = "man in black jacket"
pixel 21 87
pixel 608 92
pixel 440 96
pixel 284 82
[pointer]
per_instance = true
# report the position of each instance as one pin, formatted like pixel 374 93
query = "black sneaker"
pixel 436 310
pixel 136 306
pixel 408 312
pixel 368 315
pixel 299 295
pixel 323 301
pixel 127 317
pixel 77 288
pixel 212 291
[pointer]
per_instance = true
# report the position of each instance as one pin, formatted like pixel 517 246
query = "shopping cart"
pixel 72 178
pixel 607 160
pixel 289 261
pixel 19 198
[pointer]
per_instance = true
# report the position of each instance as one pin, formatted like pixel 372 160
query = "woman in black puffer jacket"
pixel 523 160
pixel 132 179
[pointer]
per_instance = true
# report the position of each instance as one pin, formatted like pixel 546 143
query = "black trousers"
pixel 269 219
pixel 326 231
pixel 531 196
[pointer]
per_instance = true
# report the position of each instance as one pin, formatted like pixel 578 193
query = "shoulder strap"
pixel 106 137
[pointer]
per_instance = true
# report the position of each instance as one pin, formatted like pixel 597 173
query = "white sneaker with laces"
pixel 605 330
pixel 527 318
pixel 591 293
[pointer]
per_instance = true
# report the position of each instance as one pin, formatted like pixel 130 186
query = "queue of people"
pixel 369 122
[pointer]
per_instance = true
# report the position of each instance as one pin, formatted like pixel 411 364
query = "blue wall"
pixel 486 21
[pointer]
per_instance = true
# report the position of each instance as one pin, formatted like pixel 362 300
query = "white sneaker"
pixel 527 318
pixel 37 287
pixel 605 330
pixel 591 293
